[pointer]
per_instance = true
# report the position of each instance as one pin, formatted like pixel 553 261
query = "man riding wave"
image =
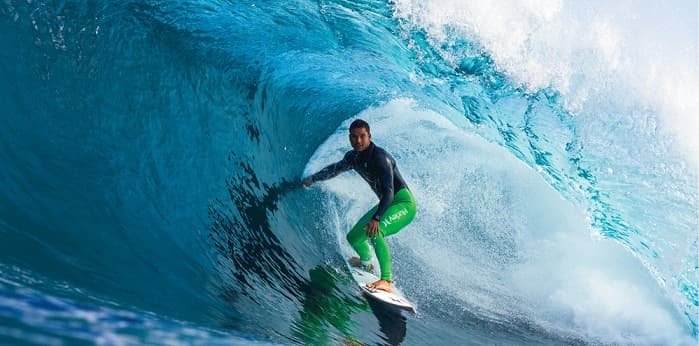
pixel 396 207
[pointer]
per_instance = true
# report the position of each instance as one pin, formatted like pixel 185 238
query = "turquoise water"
pixel 151 153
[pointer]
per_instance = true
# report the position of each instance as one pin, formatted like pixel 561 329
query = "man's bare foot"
pixel 381 285
pixel 357 262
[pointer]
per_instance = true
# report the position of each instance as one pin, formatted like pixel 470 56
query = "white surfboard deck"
pixel 394 299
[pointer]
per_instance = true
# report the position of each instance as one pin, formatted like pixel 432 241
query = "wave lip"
pixel 626 54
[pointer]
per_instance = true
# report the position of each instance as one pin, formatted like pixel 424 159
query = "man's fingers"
pixel 372 232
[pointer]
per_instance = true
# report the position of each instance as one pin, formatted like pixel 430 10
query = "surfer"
pixel 396 207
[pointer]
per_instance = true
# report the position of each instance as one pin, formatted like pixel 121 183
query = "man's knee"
pixel 353 236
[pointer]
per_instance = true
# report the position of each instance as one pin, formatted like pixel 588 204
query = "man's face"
pixel 360 139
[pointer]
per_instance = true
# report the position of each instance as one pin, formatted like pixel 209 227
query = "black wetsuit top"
pixel 377 167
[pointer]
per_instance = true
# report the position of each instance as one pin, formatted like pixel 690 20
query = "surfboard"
pixel 395 299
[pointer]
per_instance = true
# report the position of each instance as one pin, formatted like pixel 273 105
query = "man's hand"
pixel 307 182
pixel 372 228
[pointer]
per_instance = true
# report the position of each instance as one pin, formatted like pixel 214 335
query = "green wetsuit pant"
pixel 399 214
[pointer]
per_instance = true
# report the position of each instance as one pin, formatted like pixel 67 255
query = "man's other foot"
pixel 357 262
pixel 381 285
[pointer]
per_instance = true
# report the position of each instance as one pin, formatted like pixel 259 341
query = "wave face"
pixel 151 153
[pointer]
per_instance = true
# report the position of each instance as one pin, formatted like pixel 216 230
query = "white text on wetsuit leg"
pixel 393 217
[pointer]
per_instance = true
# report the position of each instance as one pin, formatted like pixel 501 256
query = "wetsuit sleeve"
pixel 385 172
pixel 334 169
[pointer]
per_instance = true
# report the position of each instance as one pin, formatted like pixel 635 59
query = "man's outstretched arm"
pixel 329 172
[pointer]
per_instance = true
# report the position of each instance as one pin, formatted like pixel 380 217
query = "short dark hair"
pixel 358 124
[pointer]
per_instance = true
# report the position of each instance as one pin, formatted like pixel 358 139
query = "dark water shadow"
pixel 330 316
pixel 326 314
pixel 392 323
pixel 242 234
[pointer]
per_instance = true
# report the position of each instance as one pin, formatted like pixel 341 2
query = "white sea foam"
pixel 496 237
pixel 625 59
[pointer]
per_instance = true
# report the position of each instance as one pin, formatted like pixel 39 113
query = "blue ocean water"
pixel 151 153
